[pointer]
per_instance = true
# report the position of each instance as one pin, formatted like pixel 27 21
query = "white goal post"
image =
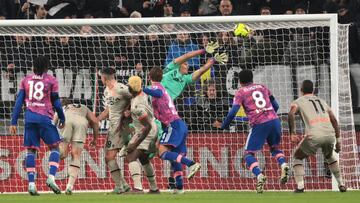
pixel 282 51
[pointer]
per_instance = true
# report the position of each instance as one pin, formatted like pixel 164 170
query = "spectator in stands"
pixel 247 7
pixel 206 7
pixel 130 52
pixel 40 12
pixel 135 14
pixel 180 46
pixel 168 10
pixel 300 9
pixel 211 108
pixel 154 48
pixel 152 8
pixel 289 11
pixel 185 11
pixel 65 53
pixel 226 8
pixel 265 10
pixel 110 51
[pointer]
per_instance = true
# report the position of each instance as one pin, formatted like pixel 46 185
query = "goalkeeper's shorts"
pixel 175 135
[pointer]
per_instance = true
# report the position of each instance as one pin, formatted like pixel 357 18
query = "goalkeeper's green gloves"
pixel 211 46
pixel 221 58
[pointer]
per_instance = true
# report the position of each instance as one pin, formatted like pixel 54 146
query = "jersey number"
pixel 36 90
pixel 259 99
pixel 316 107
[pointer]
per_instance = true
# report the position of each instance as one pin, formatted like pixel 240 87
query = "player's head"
pixel 307 87
pixel 135 85
pixel 107 74
pixel 246 76
pixel 184 68
pixel 65 101
pixel 156 74
pixel 40 65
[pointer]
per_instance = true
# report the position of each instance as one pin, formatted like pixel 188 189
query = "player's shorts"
pixel 75 130
pixel 149 142
pixel 310 144
pixel 269 131
pixel 115 140
pixel 46 131
pixel 175 135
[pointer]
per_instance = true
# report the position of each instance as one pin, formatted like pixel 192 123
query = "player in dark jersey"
pixel 39 92
pixel 260 106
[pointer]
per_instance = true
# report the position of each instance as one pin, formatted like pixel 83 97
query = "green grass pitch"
pixel 190 197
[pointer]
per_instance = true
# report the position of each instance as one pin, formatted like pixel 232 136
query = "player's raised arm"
pixel 94 125
pixel 335 125
pixel 210 48
pixel 274 103
pixel 220 58
pixel 230 116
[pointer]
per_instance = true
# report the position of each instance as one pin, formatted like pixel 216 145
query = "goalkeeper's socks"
pixel 173 156
pixel 54 159
pixel 279 156
pixel 30 166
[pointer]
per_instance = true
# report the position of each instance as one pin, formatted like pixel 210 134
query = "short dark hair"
pixel 246 76
pixel 307 87
pixel 156 74
pixel 108 71
pixel 41 65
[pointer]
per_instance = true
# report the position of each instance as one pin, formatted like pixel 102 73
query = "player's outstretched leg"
pixel 253 165
pixel 335 170
pixel 176 157
pixel 285 169
pixel 54 159
pixel 178 175
pixel 30 168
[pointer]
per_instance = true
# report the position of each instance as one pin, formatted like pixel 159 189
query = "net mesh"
pixel 281 54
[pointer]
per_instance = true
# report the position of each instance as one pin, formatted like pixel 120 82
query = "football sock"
pixel 335 170
pixel 299 173
pixel 178 175
pixel 252 164
pixel 173 156
pixel 73 172
pixel 279 156
pixel 115 173
pixel 150 174
pixel 30 166
pixel 54 159
pixel 135 171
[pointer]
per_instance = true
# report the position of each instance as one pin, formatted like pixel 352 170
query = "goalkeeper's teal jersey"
pixel 173 81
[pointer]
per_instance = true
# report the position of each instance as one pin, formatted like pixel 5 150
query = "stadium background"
pixel 15 63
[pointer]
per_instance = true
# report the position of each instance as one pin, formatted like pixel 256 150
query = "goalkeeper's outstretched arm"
pixel 210 48
pixel 198 73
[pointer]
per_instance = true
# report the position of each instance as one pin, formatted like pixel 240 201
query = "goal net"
pixel 282 51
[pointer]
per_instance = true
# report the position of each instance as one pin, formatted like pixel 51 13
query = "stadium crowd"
pixel 138 53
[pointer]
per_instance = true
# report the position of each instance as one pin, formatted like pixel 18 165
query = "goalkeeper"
pixel 176 75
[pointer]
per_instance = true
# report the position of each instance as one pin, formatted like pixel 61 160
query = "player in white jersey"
pixel 78 118
pixel 321 131
pixel 117 99
pixel 143 141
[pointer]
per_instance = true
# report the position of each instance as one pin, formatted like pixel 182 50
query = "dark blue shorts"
pixel 39 127
pixel 175 136
pixel 269 131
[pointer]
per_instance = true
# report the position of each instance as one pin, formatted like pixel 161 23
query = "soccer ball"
pixel 242 30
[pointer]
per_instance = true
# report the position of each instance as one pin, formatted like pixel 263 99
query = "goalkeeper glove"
pixel 221 58
pixel 211 46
